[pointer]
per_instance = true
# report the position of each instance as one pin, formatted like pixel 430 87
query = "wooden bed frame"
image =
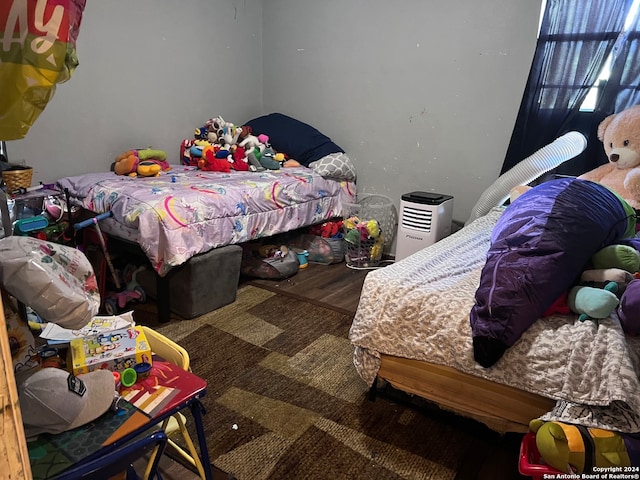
pixel 502 408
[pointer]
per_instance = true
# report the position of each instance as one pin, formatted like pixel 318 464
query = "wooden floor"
pixel 335 286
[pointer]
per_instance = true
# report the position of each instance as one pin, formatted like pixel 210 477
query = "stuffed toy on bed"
pixel 620 135
pixel 610 285
pixel 601 287
pixel 539 247
pixel 144 162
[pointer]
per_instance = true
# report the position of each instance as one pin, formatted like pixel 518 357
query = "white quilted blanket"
pixel 419 308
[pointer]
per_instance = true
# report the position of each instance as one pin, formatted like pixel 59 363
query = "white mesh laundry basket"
pixel 379 207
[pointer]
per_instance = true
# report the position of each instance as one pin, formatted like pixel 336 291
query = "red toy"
pixel 210 163
pixel 329 229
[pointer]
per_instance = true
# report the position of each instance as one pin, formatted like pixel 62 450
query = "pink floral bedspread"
pixel 187 211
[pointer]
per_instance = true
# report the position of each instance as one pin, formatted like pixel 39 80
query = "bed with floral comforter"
pixel 187 211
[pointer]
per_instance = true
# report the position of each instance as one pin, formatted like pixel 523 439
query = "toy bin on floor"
pixel 530 463
pixel 321 250
pixel 378 207
pixel 206 282
pixel 268 261
pixel 364 242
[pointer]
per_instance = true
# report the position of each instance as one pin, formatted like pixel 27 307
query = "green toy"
pixel 601 288
pixel 151 154
pixel 577 449
pixel 624 257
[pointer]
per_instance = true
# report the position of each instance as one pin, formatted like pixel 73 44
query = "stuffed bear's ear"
pixel 603 126
pixel 517 191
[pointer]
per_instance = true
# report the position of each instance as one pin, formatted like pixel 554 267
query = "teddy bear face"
pixel 620 135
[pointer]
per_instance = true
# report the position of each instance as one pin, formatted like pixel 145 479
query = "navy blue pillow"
pixel 294 138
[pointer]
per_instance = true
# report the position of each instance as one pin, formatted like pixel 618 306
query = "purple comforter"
pixel 539 247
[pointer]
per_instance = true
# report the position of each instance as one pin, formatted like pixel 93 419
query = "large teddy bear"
pixel 620 135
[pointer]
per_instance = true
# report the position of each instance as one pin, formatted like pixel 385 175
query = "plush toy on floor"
pixel 620 135
pixel 578 449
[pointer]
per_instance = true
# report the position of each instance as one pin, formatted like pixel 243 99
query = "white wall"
pixel 150 72
pixel 421 94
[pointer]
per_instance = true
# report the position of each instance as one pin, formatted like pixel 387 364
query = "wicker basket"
pixel 17 177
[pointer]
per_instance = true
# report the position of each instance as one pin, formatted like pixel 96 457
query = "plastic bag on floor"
pixel 56 281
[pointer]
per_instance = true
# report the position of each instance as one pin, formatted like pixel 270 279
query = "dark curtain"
pixel 623 88
pixel 575 40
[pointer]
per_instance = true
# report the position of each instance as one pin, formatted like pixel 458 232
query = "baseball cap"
pixel 53 400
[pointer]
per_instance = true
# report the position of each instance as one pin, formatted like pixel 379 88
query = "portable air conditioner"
pixel 425 218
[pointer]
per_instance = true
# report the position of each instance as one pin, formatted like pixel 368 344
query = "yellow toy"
pixel 144 162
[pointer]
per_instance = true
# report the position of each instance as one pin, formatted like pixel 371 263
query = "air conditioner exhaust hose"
pixel 563 148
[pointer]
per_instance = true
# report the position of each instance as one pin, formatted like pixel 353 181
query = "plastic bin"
pixel 530 463
pixel 324 251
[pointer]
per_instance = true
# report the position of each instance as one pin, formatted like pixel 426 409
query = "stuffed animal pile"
pixel 222 146
pixel 610 284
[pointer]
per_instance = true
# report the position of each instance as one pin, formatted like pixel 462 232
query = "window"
pixel 591 100
pixel 584 69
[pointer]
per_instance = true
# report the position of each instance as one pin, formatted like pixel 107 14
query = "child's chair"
pixel 173 353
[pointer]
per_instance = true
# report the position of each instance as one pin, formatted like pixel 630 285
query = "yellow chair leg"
pixel 194 459
pixel 174 353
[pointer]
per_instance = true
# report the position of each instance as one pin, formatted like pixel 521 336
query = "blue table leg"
pixel 197 409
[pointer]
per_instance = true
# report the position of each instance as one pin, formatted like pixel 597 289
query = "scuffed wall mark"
pixel 235 12
pixel 424 110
